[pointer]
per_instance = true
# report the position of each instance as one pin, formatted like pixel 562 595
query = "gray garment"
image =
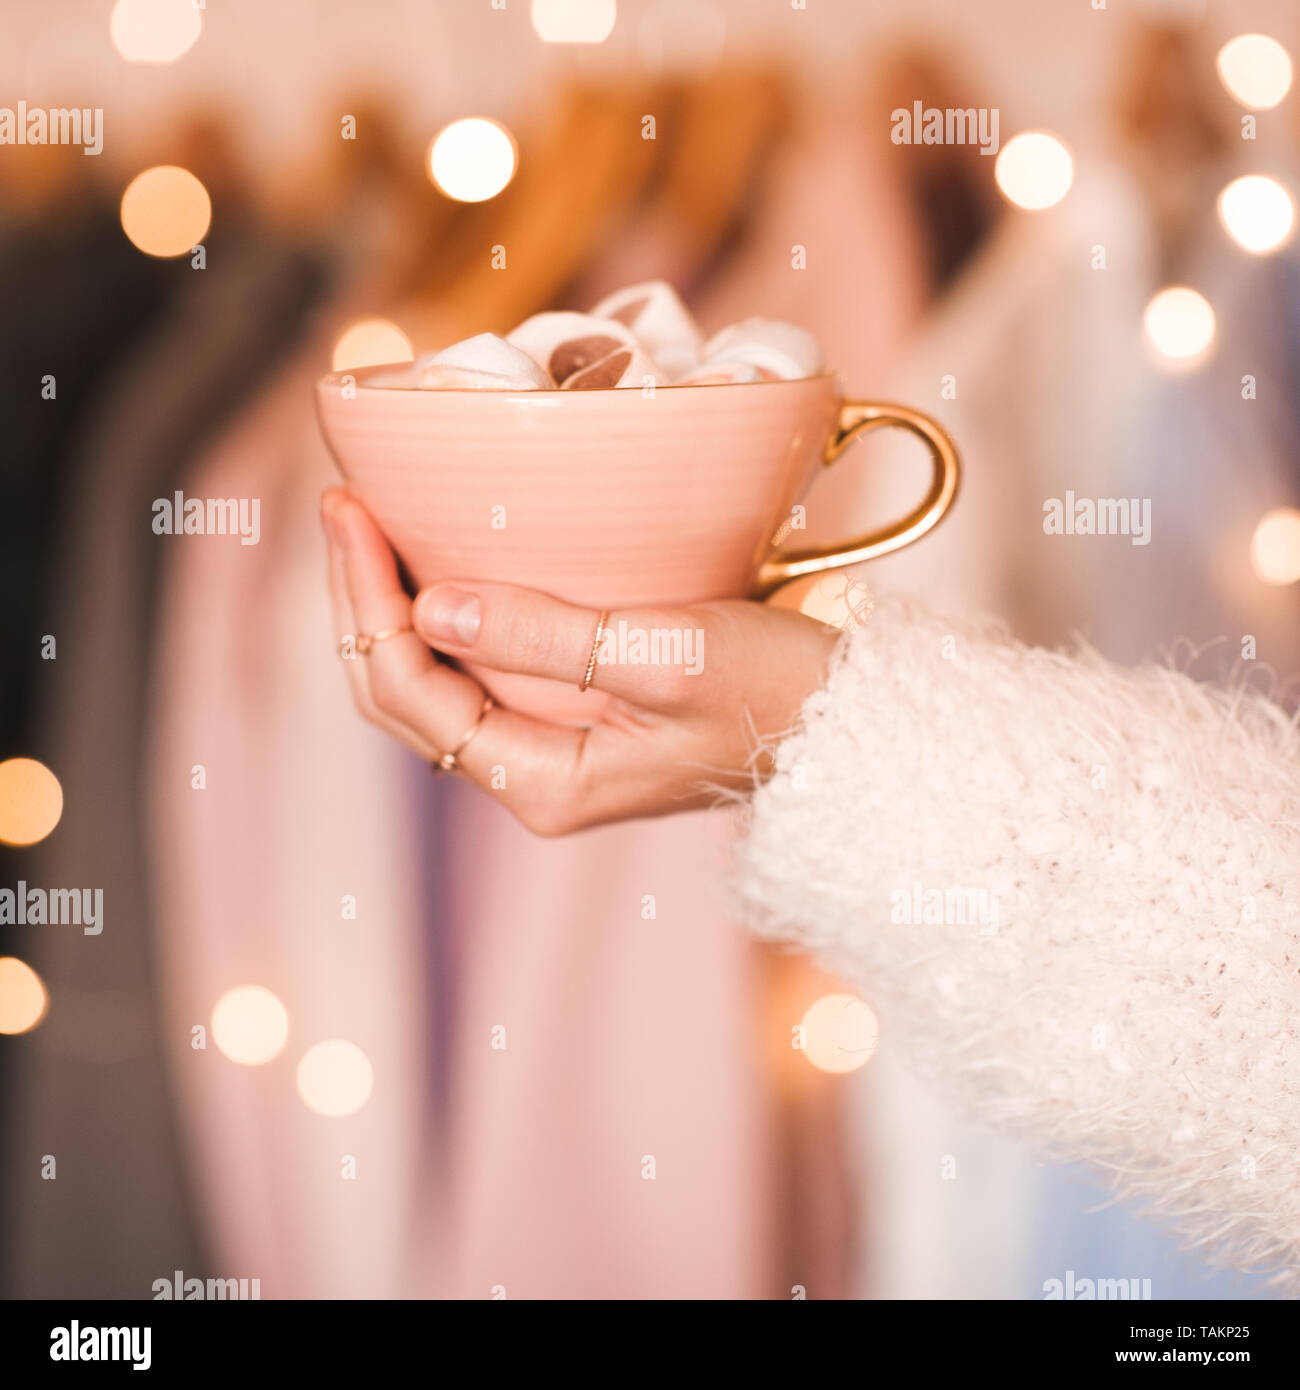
pixel 90 1084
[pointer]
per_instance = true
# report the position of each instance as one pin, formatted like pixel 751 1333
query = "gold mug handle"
pixel 857 418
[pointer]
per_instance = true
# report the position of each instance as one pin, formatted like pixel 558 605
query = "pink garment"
pixel 626 1037
pixel 627 1040
pixel 860 285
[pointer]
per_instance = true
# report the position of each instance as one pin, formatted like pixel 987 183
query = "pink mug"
pixel 608 498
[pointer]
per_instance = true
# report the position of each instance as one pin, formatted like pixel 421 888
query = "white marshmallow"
pixel 566 343
pixel 482 363
pixel 662 323
pixel 776 349
pixel 625 366
pixel 720 374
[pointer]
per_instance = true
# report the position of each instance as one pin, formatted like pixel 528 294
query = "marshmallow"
pixel 661 322
pixel 779 351
pixel 640 334
pixel 719 374
pixel 566 343
pixel 482 363
pixel 626 366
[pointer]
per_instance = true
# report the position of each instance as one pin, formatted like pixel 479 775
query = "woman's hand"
pixel 670 737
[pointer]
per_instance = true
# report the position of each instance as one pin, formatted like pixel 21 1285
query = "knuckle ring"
pixel 367 640
pixel 595 647
pixel 448 761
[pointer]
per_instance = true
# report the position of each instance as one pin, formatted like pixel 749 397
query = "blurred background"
pixel 348 1030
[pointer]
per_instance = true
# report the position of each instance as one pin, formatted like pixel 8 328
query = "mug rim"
pixel 333 379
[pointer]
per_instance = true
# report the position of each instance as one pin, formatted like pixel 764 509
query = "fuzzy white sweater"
pixel 1072 893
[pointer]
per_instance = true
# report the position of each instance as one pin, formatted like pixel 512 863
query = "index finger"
pixel 642 655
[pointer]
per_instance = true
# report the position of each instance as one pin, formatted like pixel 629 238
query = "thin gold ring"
pixel 595 647
pixel 448 761
pixel 366 640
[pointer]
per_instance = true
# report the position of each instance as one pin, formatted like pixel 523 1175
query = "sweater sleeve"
pixel 1071 893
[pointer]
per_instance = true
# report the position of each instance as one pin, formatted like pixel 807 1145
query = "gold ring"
pixel 595 647
pixel 448 761
pixel 366 640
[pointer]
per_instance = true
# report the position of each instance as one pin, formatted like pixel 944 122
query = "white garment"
pixel 1072 893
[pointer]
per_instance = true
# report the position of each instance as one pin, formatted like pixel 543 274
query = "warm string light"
pixel 840 1033
pixel 472 159
pixel 166 211
pixel 335 1078
pixel 154 31
pixel 1180 326
pixel 31 801
pixel 371 343
pixel 1275 547
pixel 1034 170
pixel 1257 213
pixel 250 1025
pixel 1255 69
pixel 574 21
pixel 23 996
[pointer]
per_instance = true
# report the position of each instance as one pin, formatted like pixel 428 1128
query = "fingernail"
pixel 450 614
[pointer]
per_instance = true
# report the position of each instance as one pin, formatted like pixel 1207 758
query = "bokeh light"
pixel 154 31
pixel 1275 547
pixel 165 211
pixel 472 159
pixel 369 343
pixel 23 997
pixel 1179 324
pixel 1034 170
pixel 250 1025
pixel 574 21
pixel 1257 212
pixel 31 801
pixel 1255 69
pixel 840 1033
pixel 335 1078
